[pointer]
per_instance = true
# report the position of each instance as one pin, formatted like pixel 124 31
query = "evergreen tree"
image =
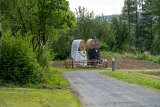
pixel 145 25
pixel 156 16
pixel 130 14
pixel 140 21
pixel 119 33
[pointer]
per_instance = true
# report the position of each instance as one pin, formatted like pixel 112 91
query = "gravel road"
pixel 96 90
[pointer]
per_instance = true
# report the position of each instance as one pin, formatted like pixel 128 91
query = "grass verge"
pixel 53 93
pixel 109 54
pixel 37 98
pixel 139 78
pixel 53 80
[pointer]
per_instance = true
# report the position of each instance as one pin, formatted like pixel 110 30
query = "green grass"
pixel 109 54
pixel 37 98
pixel 138 78
pixel 54 92
pixel 61 69
pixel 57 80
pixel 53 80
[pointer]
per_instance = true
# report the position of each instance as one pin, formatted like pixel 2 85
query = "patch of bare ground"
pixel 123 63
pixel 152 73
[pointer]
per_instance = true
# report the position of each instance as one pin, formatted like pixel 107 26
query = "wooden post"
pixel 113 64
pixel 94 63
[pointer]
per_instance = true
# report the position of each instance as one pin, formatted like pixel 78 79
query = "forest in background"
pixel 37 31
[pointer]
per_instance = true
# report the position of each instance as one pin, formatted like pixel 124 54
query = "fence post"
pixel 113 64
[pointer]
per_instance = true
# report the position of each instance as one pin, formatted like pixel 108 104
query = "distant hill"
pixel 109 17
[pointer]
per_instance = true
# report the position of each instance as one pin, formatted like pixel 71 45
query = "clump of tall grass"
pixel 147 57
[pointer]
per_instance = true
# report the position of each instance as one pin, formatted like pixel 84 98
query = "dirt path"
pixel 96 90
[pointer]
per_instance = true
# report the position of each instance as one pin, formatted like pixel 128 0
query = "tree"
pixel 4 5
pixel 145 25
pixel 85 23
pixel 156 15
pixel 0 39
pixel 130 14
pixel 119 33
pixel 38 18
pixel 140 21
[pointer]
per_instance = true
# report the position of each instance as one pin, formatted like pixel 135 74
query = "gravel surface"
pixel 96 90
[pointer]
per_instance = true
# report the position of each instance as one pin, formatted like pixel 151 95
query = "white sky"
pixel 107 7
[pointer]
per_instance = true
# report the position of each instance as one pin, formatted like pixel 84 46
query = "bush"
pixel 142 57
pixel 156 45
pixel 44 58
pixel 18 64
pixel 61 47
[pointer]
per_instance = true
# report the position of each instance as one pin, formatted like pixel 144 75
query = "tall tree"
pixel 130 13
pixel 139 16
pixel 38 18
pixel 145 25
pixel 85 23
pixel 0 39
pixel 5 5
pixel 119 32
pixel 156 15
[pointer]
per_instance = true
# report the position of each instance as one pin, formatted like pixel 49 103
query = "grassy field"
pixel 146 79
pixel 54 93
pixel 37 98
pixel 154 58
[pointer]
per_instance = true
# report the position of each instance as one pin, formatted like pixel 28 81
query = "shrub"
pixel 44 59
pixel 62 47
pixel 18 64
pixel 142 57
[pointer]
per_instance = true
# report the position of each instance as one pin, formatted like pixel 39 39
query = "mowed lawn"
pixel 37 98
pixel 146 79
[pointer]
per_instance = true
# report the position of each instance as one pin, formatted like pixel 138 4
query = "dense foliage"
pixel 18 64
pixel 143 18
pixel 136 30
pixel 50 27
pixel 25 52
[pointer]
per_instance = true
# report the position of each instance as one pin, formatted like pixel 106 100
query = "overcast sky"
pixel 107 7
